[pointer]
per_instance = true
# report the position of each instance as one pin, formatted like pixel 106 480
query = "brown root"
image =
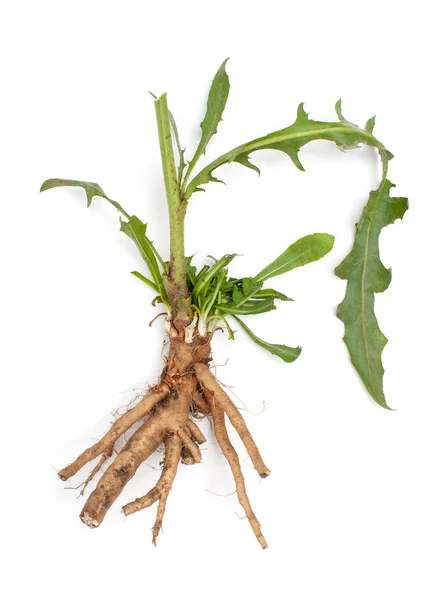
pixel 222 400
pixel 200 404
pixel 190 445
pixel 139 447
pixel 187 389
pixel 121 425
pixel 94 471
pixel 196 433
pixel 162 489
pixel 219 427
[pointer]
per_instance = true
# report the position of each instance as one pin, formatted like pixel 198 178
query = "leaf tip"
pixel 338 109
pixel 369 126
pixel 159 98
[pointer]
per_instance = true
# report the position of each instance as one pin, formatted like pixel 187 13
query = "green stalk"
pixel 177 284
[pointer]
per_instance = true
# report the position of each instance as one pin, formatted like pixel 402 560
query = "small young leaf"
pixel 286 353
pixel 210 273
pixel 248 308
pixel 91 189
pixel 190 272
pixel 216 102
pixel 306 250
pixel 366 275
pixel 269 293
pixel 145 280
pixel 249 287
pixel 237 295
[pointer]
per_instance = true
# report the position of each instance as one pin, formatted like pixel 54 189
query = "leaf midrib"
pixel 264 141
pixel 364 269
pixel 284 265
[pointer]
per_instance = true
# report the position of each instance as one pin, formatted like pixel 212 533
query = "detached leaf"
pixel 290 140
pixel 366 275
pixel 306 250
pixel 216 102
pixel 286 353
pixel 91 189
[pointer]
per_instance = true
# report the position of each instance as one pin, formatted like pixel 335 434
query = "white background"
pixel 353 507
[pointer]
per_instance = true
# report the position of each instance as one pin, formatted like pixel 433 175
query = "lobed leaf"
pixel 91 189
pixel 286 353
pixel 216 103
pixel 306 250
pixel 290 140
pixel 366 275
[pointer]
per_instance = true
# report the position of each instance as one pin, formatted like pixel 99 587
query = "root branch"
pixel 219 427
pixel 121 425
pixel 220 399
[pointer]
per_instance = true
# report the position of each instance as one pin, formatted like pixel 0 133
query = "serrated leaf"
pixel 243 159
pixel 290 140
pixel 91 189
pixel 306 250
pixel 216 102
pixel 366 275
pixel 286 353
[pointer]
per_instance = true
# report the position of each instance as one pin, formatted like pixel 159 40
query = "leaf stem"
pixel 177 288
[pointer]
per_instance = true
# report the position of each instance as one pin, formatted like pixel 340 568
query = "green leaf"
pixel 248 308
pixel 210 273
pixel 191 272
pixel 249 287
pixel 269 293
pixel 237 295
pixel 286 353
pixel 136 230
pixel 306 250
pixel 144 280
pixel 290 140
pixel 91 189
pixel 366 275
pixel 216 102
